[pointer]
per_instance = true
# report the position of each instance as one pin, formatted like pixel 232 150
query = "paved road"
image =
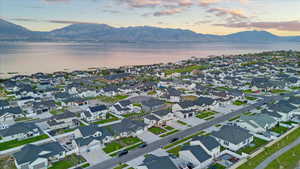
pixel 265 163
pixel 165 141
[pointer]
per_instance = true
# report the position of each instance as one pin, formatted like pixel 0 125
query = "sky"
pixel 281 17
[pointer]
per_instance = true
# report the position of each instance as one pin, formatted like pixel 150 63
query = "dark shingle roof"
pixel 155 162
pixel 198 152
pixel 233 134
pixel 31 152
pixel 208 141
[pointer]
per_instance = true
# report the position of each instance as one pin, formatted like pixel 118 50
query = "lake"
pixel 32 57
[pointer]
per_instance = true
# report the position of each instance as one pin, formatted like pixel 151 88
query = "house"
pixel 153 105
pixel 39 156
pixel 43 106
pixel 127 128
pixel 92 131
pixel 109 91
pixel 183 114
pixel 173 95
pixel 233 137
pixel 23 100
pixel 4 104
pixel 64 120
pixel 284 108
pixel 9 115
pixel 163 116
pixel 195 155
pixel 156 162
pixel 86 144
pixel 99 111
pixel 74 101
pixel 124 107
pixel 19 131
pixel 257 123
pixel 209 144
pixel 152 120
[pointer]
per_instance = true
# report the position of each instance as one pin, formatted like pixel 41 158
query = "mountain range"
pixel 103 32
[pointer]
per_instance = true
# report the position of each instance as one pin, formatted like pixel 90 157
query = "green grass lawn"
pixel 275 91
pixel 56 112
pixel 205 114
pixel 279 129
pixel 110 118
pixel 252 148
pixel 121 143
pixel 156 130
pixel 6 162
pixel 169 128
pixel 175 150
pixel 183 140
pixel 288 160
pixel 67 162
pixel 134 114
pixel 253 162
pixel 248 91
pixel 15 143
pixel 296 88
pixel 182 123
pixel 239 103
pixel 112 99
pixel 121 166
pixel 169 133
pixel 251 98
pixel 234 118
pixel 216 166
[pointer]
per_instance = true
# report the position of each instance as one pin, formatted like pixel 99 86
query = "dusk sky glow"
pixel 281 17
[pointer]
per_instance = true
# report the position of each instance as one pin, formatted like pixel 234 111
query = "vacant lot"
pixel 6 162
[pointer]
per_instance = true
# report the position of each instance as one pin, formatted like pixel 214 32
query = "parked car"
pixel 173 140
pixel 122 153
pixel 143 145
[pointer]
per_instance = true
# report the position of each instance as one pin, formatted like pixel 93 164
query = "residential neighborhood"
pixel 212 113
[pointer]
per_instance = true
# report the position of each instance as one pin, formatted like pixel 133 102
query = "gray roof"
pixel 18 128
pixel 155 162
pixel 3 103
pixel 271 113
pixel 151 117
pixel 198 152
pixel 233 134
pixel 90 130
pixel 208 141
pixel 162 112
pixel 258 119
pixel 153 102
pixel 30 152
pixel 85 141
pixel 126 125
pixel 11 110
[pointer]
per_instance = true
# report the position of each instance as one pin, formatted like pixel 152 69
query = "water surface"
pixel 32 57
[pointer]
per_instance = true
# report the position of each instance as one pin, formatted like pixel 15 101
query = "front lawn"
pixel 182 123
pixel 205 114
pixel 175 150
pixel 275 91
pixel 15 143
pixel 239 103
pixel 109 118
pixel 279 129
pixel 255 145
pixel 156 130
pixel 251 98
pixel 169 133
pixel 255 161
pixel 169 128
pixel 112 99
pixel 119 144
pixel 68 162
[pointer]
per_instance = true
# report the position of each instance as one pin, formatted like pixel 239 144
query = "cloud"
pixel 281 25
pixel 211 2
pixel 231 13
pixel 168 12
pixel 51 21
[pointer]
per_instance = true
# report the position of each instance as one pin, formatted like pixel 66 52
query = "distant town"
pixel 235 112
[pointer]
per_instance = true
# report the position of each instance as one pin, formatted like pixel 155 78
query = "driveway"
pixel 148 137
pixel 193 121
pixel 176 125
pixel 95 155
